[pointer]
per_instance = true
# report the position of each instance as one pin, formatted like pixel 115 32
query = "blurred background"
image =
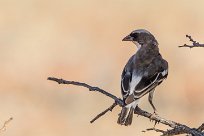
pixel 81 40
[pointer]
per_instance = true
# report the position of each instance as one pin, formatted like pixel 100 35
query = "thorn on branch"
pixel 195 43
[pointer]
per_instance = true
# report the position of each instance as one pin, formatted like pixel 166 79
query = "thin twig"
pixel 3 128
pixel 195 43
pixel 104 112
pixel 91 88
pixel 154 129
pixel 176 126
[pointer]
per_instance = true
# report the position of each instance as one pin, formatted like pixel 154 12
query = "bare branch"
pixel 104 112
pixel 3 128
pixel 177 127
pixel 91 88
pixel 175 131
pixel 155 118
pixel 195 43
pixel 155 129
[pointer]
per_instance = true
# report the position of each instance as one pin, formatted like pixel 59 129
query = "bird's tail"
pixel 126 115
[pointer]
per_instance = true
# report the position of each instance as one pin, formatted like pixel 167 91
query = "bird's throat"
pixel 137 44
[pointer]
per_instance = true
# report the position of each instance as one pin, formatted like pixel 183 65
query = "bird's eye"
pixel 134 35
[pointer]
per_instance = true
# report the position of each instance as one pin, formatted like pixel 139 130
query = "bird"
pixel 144 71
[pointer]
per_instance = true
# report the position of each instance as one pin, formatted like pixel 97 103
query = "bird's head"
pixel 141 37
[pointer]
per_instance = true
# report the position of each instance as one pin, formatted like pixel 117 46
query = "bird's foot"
pixel 152 116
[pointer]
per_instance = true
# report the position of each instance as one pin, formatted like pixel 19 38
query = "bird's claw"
pixel 153 115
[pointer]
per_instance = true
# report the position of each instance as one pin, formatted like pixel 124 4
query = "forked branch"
pixel 195 43
pixel 177 128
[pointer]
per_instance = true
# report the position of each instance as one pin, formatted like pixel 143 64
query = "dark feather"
pixel 152 78
pixel 126 78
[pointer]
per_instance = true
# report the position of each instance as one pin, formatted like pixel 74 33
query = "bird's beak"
pixel 128 38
